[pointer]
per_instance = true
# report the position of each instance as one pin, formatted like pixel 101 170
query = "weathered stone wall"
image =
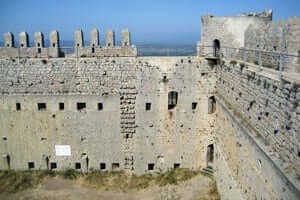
pixel 123 132
pixel 257 132
pixel 228 30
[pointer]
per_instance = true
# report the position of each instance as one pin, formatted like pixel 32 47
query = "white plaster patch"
pixel 63 150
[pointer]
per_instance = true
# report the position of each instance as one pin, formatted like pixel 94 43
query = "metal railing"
pixel 279 61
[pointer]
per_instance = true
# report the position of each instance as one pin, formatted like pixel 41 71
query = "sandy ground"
pixel 197 188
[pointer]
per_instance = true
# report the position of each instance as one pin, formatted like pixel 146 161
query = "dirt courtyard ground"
pixel 55 188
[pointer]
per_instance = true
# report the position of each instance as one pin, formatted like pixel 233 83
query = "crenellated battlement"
pixel 39 50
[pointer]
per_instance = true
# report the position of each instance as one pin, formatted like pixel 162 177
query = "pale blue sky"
pixel 151 21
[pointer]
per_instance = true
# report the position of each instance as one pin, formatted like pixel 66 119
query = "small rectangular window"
pixel 78 165
pixel 42 106
pixel 93 50
pixel 194 105
pixel 148 106
pixel 151 166
pixel 61 106
pixel 39 50
pixel 53 165
pixel 30 165
pixel 176 165
pixel 115 166
pixel 18 106
pixel 100 106
pixel 81 106
pixel 102 166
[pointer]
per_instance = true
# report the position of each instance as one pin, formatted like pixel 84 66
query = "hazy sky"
pixel 151 21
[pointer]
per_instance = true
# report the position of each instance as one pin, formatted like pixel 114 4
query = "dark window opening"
pixel 81 106
pixel 18 106
pixel 275 48
pixel 100 106
pixel 78 165
pixel 42 106
pixel 4 138
pixel 61 106
pixel 108 44
pixel 53 165
pixel 30 165
pixel 210 154
pixel 172 99
pixel 53 44
pixel 181 60
pixel 22 45
pixel 115 166
pixel 38 44
pixel 176 165
pixel 151 166
pixel 148 106
pixel 39 50
pixel 211 105
pixel 93 49
pixel 7 45
pixel 194 105
pixel 77 45
pixel 102 166
pixel 125 44
pixel 217 47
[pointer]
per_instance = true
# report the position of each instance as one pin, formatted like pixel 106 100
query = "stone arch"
pixel 217 47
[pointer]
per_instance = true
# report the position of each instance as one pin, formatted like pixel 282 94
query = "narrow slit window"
pixel 194 105
pixel 81 106
pixel 18 106
pixel 61 106
pixel 100 106
pixel 148 106
pixel 172 99
pixel 42 106
pixel 211 105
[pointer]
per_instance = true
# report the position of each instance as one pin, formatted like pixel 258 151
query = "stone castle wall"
pixel 122 134
pixel 257 133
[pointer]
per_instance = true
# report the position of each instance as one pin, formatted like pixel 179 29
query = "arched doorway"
pixel 217 47
pixel 210 155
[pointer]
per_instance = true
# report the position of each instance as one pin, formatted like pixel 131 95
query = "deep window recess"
pixel 151 166
pixel 176 165
pixel 102 166
pixel 172 99
pixel 53 165
pixel 81 106
pixel 100 106
pixel 42 106
pixel 18 106
pixel 78 165
pixel 148 106
pixel 30 165
pixel 61 106
pixel 194 105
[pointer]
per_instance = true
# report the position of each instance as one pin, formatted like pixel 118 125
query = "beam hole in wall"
pixel 172 99
pixel 4 138
pixel 176 165
pixel 30 165
pixel 151 166
pixel 42 106
pixel 115 166
pixel 53 165
pixel 81 106
pixel 18 106
pixel 61 106
pixel 77 165
pixel 275 131
pixel 194 105
pixel 100 106
pixel 102 166
pixel 148 106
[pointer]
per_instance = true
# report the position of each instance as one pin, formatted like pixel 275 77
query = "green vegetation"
pixel 13 181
